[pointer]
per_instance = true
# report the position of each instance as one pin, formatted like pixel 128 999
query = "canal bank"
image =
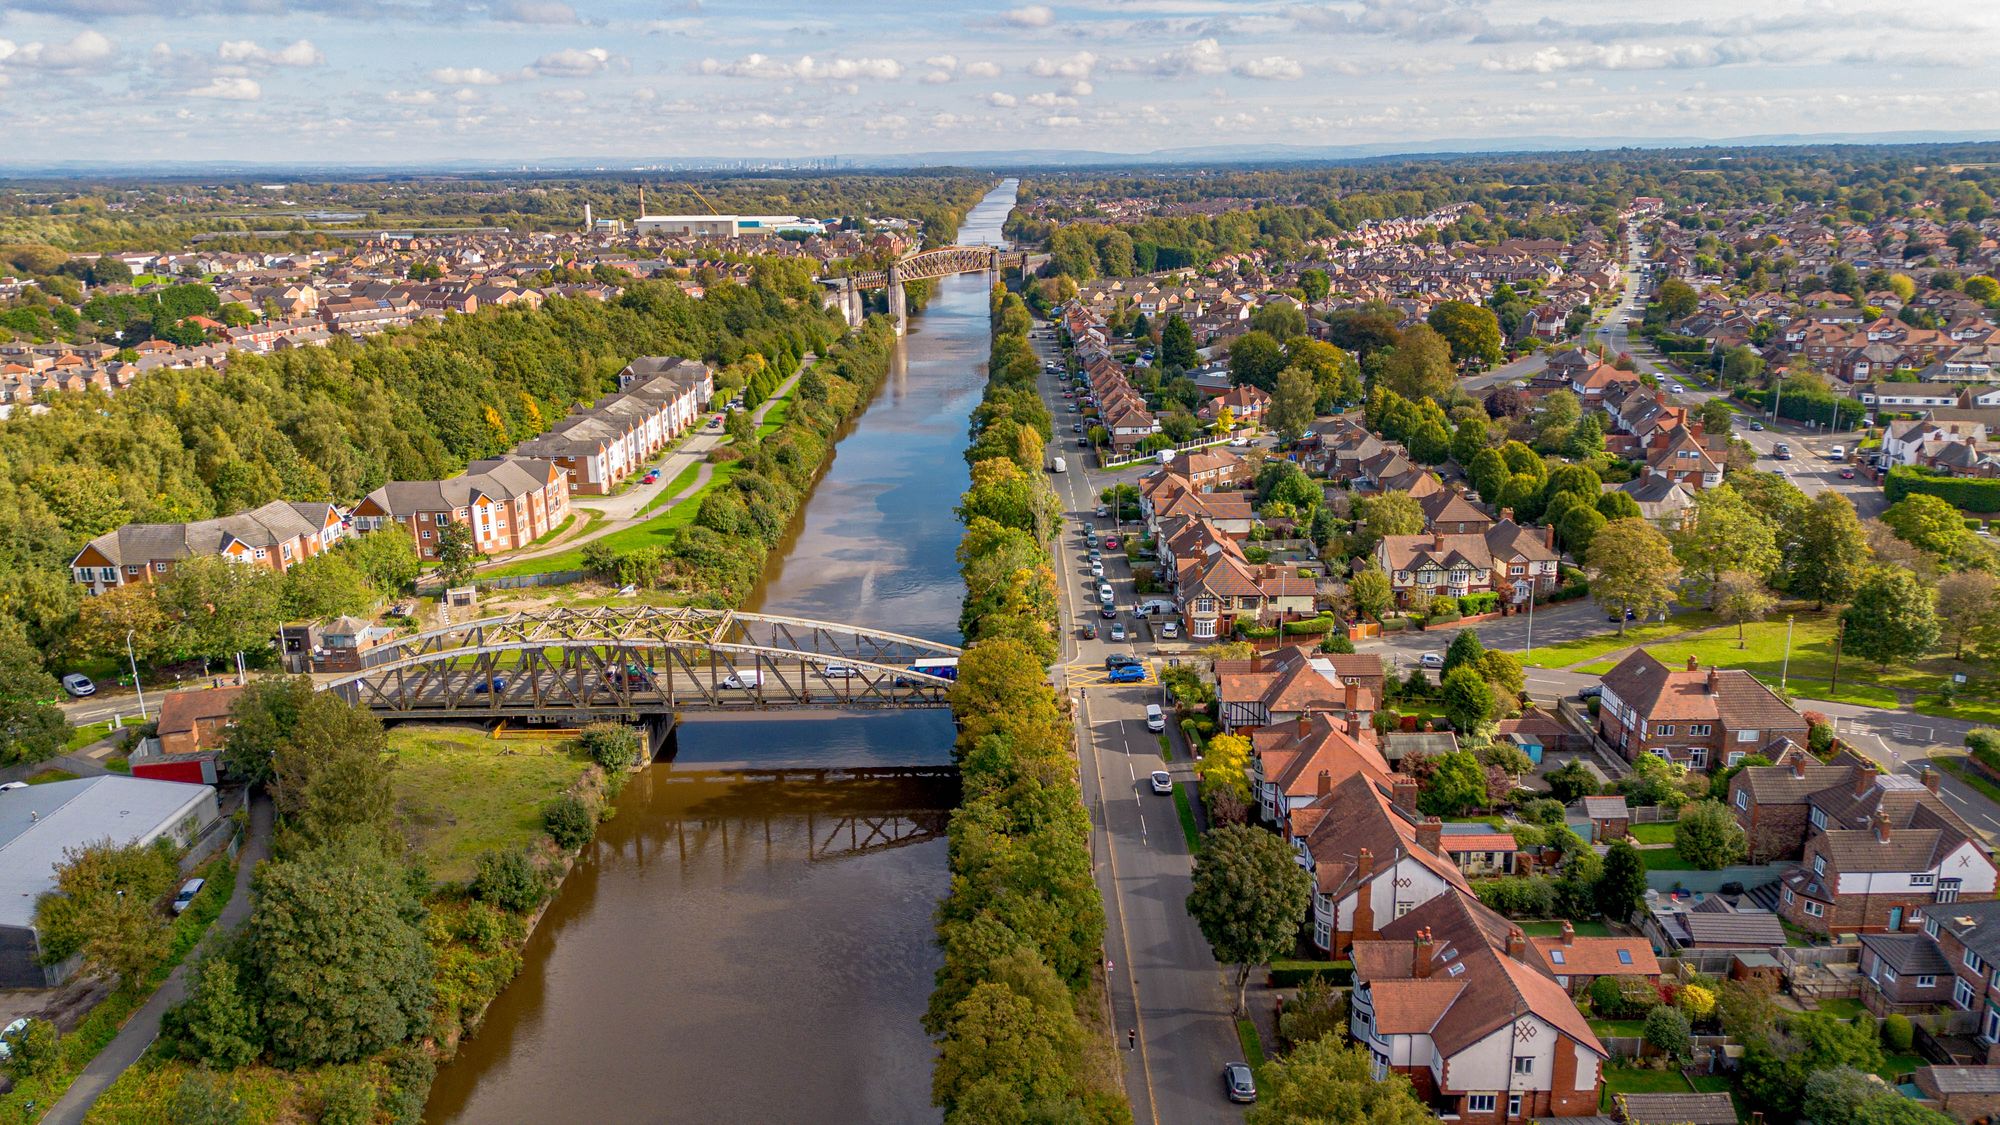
pixel 733 949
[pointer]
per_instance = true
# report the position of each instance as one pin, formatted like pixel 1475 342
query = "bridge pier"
pixel 899 308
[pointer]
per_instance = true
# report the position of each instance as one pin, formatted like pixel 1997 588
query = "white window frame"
pixel 1524 1064
pixel 1922 879
pixel 1819 865
pixel 1479 1103
pixel 1927 981
pixel 1814 910
pixel 1742 795
pixel 1962 994
pixel 1973 961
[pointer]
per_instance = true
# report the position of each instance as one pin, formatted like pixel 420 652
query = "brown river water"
pixel 744 942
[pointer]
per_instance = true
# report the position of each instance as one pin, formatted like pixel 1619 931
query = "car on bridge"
pixel 743 681
pixel 1127 674
pixel 631 675
pixel 493 685
pixel 839 671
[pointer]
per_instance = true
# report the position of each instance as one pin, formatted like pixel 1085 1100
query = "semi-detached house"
pixel 1697 718
pixel 1506 557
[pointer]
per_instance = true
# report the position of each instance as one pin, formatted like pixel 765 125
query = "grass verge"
pixel 1562 654
pixel 1186 813
pixel 674 488
pixel 80 737
pixel 656 532
pixel 1665 859
pixel 1554 928
pixel 1166 749
pixel 1957 766
pixel 1252 1044
pixel 464 792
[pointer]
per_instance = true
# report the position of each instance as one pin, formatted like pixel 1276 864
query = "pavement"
pixel 144 1026
pixel 1163 980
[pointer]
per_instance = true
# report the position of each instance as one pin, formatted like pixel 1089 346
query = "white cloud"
pixel 981 70
pixel 943 62
pixel 411 97
pixel 1060 121
pixel 87 48
pixel 805 69
pixel 1078 65
pixel 1203 56
pixel 1049 101
pixel 571 62
pixel 1079 89
pixel 1273 67
pixel 465 76
pixel 1623 56
pixel 300 53
pixel 224 88
pixel 568 95
pixel 535 11
pixel 1003 101
pixel 1034 15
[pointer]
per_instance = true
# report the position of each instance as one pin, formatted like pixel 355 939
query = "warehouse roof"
pixel 39 823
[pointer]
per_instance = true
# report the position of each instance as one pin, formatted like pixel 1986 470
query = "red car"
pixel 649 478
pixel 1847 474
pixel 1110 543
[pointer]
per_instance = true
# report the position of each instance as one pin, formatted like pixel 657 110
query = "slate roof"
pixel 1976 925
pixel 1679 1109
pixel 1744 928
pixel 501 480
pixel 1965 1079
pixel 280 521
pixel 1910 954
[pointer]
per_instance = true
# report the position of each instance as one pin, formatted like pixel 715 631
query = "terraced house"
pixel 507 504
pixel 275 536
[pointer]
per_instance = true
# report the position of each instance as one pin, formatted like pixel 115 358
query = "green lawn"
pixel 1632 1080
pixel 551 533
pixel 1762 653
pixel 463 792
pixel 1960 767
pixel 1895 1065
pixel 1555 928
pixel 80 737
pixel 1251 1043
pixel 1844 1007
pixel 1619 1029
pixel 780 410
pixel 1665 859
pixel 674 488
pixel 1186 813
pixel 1562 654
pixel 1652 833
pixel 656 532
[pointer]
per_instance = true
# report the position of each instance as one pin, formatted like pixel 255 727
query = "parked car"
pixel 1591 692
pixel 1163 782
pixel 1239 1084
pixel 1239 442
pixel 1110 542
pixel 13 785
pixel 9 1032
pixel 1128 674
pixel 1629 616
pixel 188 890
pixel 1103 510
pixel 1169 630
pixel 1107 610
pixel 1097 568
pixel 78 684
pixel 652 477
pixel 1156 719
pixel 1089 630
pixel 1083 443
pixel 1104 592
pixel 1119 660
pixel 1076 427
pixel 1117 630
pixel 1431 660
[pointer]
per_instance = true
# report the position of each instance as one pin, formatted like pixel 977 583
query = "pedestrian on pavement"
pixel 1132 1039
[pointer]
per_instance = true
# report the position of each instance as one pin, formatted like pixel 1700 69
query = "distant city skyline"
pixel 409 81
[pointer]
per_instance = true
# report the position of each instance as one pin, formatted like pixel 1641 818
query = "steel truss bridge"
pixel 635 661
pixel 924 265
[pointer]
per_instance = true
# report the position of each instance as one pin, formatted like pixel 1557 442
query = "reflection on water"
pixel 742 944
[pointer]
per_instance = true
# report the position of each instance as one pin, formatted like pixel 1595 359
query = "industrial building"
pixel 39 823
pixel 725 226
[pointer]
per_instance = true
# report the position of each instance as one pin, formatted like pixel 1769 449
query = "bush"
pixel 1291 974
pixel 1898 1034
pixel 35 1048
pixel 1667 1032
pixel 1471 604
pixel 1336 643
pixel 1984 743
pixel 347 1099
pixel 569 822
pixel 1967 493
pixel 511 880
pixel 1623 998
pixel 1518 896
pixel 613 746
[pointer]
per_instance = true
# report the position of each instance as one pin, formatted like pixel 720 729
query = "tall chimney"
pixel 1364 864
pixel 1693 664
pixel 1881 828
pixel 1305 724
pixel 1864 778
pixel 1507 515
pixel 1437 540
pixel 1549 536
pixel 1403 791
pixel 1420 955
pixel 1430 835
pixel 1517 944
pixel 1569 933
pixel 1325 782
pixel 1353 699
pixel 1930 779
pixel 1714 680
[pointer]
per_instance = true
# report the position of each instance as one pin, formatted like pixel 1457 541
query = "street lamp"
pixel 135 674
pixel 1786 669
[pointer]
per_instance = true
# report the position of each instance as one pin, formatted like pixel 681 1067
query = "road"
pixel 1164 981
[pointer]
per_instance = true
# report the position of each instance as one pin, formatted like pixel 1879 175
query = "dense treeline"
pixel 1022 929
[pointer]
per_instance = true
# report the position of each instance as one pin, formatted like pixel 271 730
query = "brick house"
pixel 1280 686
pixel 1855 880
pixel 1452 514
pixel 1504 557
pixel 1905 972
pixel 1967 936
pixel 507 503
pixel 1774 803
pixel 1690 716
pixel 1451 997
pixel 275 536
pixel 1296 763
pixel 1372 856
pixel 1963 1093
pixel 188 740
pixel 1575 962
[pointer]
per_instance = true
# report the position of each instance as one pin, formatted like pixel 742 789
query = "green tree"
pixel 1332 1082
pixel 1255 359
pixel 1388 513
pixel 1317 285
pixel 216 608
pixel 569 822
pixel 1371 590
pixel 1281 319
pixel 106 906
pixel 1457 785
pixel 261 720
pixel 1469 440
pixel 1616 505
pixel 1739 598
pixel 32 727
pixel 387 556
pixel 457 554
pixel 1464 649
pixel 1968 611
pixel 326 585
pixel 1631 567
pixel 217 1024
pixel 1667 1032
pixel 1622 886
pixel 1578 528
pixel 1831 553
pixel 1586 438
pixel 1177 347
pixel 1292 404
pixel 1419 366
pixel 1249 897
pixel 336 951
pixel 1675 299
pixel 1569 782
pixel 1725 534
pixel 1467 700
pixel 1927 523
pixel 205 1098
pixel 1708 836
pixel 1007 1049
pixel 1893 617
pixel 1472 331
pixel 511 879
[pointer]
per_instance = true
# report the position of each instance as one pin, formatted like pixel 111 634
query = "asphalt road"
pixel 1164 981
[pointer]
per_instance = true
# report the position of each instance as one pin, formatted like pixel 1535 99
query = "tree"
pixel 1667 1032
pixel 1456 785
pixel 1725 534
pixel 511 879
pixel 1832 551
pixel 1632 569
pixel 1502 670
pixel 105 906
pixel 1465 649
pixel 1708 836
pixel 1292 404
pixel 1578 528
pixel 1927 523
pixel 104 622
pixel 1968 609
pixel 1739 597
pixel 1467 699
pixel 1586 439
pixel 205 1098
pixel 336 950
pixel 1255 359
pixel 1893 617
pixel 1419 366
pixel 216 608
pixel 1389 513
pixel 1572 781
pixel 1177 344
pixel 1319 1010
pixel 217 1024
pixel 1249 897
pixel 1010 1046
pixel 1835 1096
pixel 1472 331
pixel 32 727
pixel 326 585
pixel 1675 299
pixel 1281 319
pixel 261 720
pixel 1226 765
pixel 1468 440
pixel 1622 886
pixel 34 1050
pixel 457 554
pixel 1332 1082
pixel 387 556
pixel 1371 590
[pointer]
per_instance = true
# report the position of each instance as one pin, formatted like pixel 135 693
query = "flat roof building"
pixel 41 822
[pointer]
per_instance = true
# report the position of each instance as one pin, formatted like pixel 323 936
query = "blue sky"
pixel 517 80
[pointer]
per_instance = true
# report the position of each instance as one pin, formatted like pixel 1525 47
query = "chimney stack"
pixel 1517 944
pixel 1930 779
pixel 1864 778
pixel 1714 680
pixel 1305 724
pixel 1430 835
pixel 1437 540
pixel 1798 765
pixel 1549 536
pixel 1881 828
pixel 1693 664
pixel 1420 955
pixel 1353 700
pixel 1364 863
pixel 1569 933
pixel 1325 782
pixel 1403 791
pixel 1507 515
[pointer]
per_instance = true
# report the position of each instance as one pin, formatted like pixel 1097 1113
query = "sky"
pixel 504 81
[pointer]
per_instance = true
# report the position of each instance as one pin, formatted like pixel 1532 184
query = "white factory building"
pixel 725 226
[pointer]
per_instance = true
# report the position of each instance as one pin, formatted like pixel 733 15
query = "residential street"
pixel 1163 980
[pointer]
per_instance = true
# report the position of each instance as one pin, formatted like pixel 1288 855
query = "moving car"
pixel 1103 510
pixel 1837 453
pixel 1083 443
pixel 652 476
pixel 839 671
pixel 743 681
pixel 1117 630
pixel 78 684
pixel 1089 630
pixel 1076 427
pixel 1238 1083
pixel 1847 474
pixel 1757 426
pixel 1431 660
pixel 1119 660
pixel 1781 451
pixel 1163 782
pixel 630 674
pixel 188 890
pixel 1128 674
pixel 494 685
pixel 1156 719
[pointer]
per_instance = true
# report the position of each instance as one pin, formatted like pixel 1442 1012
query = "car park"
pixel 1239 1083
pixel 1163 782
pixel 1117 630
pixel 78 684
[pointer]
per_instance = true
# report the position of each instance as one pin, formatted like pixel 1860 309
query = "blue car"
pixel 496 684
pixel 1127 674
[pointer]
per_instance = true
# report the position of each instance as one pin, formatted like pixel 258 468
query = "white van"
pixel 1156 719
pixel 1157 607
pixel 1059 465
pixel 743 681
